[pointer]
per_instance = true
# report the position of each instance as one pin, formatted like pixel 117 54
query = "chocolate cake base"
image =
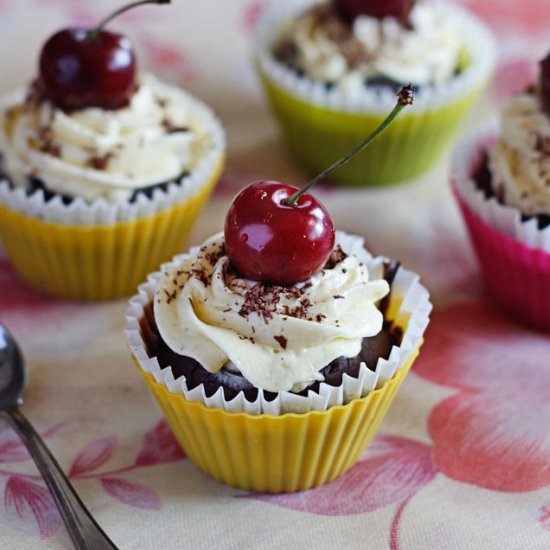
pixel 36 184
pixel 195 374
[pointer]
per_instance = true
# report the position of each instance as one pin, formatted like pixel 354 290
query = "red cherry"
pixel 278 234
pixel 545 84
pixel 270 241
pixel 351 9
pixel 81 68
pixel 77 71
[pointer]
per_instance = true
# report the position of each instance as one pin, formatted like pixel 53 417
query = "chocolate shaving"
pixel 201 275
pixel 213 257
pixel 287 52
pixel 35 95
pixel 46 142
pixel 161 101
pixel 281 340
pixel 99 162
pixel 173 128
pixel 336 256
pixel 170 296
pixel 340 31
pixel 264 300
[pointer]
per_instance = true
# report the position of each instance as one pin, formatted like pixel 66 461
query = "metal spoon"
pixel 83 529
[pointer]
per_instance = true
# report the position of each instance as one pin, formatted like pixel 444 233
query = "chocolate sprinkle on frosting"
pixel 173 128
pixel 233 383
pixel 336 256
pixel 264 300
pixel 281 340
pixel 99 162
pixel 46 143
pixel 35 95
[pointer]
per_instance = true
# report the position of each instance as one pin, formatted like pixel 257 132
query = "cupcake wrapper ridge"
pixel 276 454
pixel 97 262
pixel 101 212
pixel 514 255
pixel 409 307
pixel 506 219
pixel 102 251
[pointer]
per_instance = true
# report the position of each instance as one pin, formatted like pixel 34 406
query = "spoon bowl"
pixel 85 533
pixel 13 374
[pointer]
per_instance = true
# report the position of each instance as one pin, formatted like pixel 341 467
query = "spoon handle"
pixel 85 533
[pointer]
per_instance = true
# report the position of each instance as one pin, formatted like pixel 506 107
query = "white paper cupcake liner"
pixel 102 212
pixel 409 302
pixel 478 40
pixel 504 218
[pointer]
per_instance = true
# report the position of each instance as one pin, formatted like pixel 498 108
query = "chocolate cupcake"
pixel 99 185
pixel 313 366
pixel 265 302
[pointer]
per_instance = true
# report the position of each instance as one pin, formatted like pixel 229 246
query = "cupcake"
pixel 330 70
pixel 104 168
pixel 501 179
pixel 276 388
pixel 276 347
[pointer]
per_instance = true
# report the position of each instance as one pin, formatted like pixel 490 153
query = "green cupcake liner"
pixel 321 124
pixel 317 136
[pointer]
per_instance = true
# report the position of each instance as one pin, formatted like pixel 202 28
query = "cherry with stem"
pixel 278 234
pixel 80 68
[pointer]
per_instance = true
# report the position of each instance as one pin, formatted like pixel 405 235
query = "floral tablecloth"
pixel 462 460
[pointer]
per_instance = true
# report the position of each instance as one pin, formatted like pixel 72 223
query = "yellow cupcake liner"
pixel 276 454
pixel 316 136
pixel 99 262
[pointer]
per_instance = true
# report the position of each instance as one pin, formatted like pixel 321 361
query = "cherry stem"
pixel 404 98
pixel 93 34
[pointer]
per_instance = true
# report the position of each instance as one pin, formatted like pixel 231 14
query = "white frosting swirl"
pixel 426 54
pixel 94 152
pixel 279 339
pixel 520 160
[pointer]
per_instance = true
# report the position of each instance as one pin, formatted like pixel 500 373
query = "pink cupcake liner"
pixel 513 253
pixel 515 275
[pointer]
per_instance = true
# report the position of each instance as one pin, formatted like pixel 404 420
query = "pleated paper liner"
pixel 276 454
pixel 504 218
pixel 103 250
pixel 97 262
pixel 293 442
pixel 516 276
pixel 514 255
pixel 320 125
